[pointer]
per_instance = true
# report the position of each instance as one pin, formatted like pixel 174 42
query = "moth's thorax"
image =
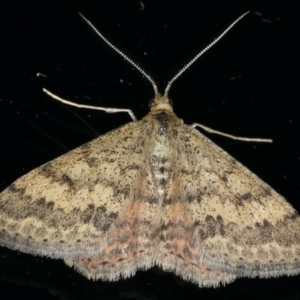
pixel 162 147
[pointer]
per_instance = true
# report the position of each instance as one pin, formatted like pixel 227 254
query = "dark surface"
pixel 247 85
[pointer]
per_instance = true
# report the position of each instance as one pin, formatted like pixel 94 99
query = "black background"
pixel 247 85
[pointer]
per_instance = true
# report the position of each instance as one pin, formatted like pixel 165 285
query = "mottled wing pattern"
pixel 81 202
pixel 223 218
pixel 154 192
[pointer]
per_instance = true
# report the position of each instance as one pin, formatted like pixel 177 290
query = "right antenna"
pixel 201 53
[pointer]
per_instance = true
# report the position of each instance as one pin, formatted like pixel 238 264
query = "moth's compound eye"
pixel 151 103
pixel 171 102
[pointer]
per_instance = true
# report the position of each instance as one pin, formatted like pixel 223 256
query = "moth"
pixel 153 192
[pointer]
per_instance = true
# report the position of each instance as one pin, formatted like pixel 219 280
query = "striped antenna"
pixel 201 53
pixel 122 54
pixel 179 73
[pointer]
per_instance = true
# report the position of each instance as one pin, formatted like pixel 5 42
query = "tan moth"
pixel 153 192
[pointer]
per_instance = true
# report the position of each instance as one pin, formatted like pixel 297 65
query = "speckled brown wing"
pixel 154 192
pixel 221 217
pixel 75 204
pixel 148 230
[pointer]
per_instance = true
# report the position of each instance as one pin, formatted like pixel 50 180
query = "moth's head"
pixel 161 102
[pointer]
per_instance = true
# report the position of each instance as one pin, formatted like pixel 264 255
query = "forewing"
pixel 75 204
pixel 222 217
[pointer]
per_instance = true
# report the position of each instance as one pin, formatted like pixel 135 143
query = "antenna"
pixel 121 53
pixel 201 53
pixel 111 45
